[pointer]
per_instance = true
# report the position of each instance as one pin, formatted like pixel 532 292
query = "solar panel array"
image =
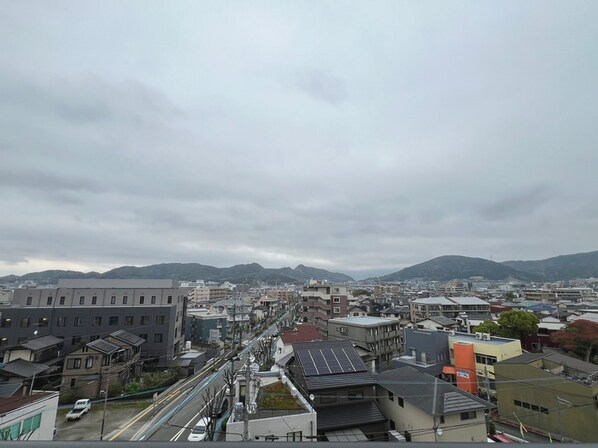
pixel 328 361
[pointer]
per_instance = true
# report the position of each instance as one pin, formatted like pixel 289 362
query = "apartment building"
pixel 322 302
pixel 450 307
pixel 380 337
pixel 454 288
pixel 83 310
pixel 204 327
pixel 473 357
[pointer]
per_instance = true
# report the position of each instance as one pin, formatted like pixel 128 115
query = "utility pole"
pixel 251 368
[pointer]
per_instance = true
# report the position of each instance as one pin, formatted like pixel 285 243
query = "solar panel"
pixel 332 360
pixel 319 362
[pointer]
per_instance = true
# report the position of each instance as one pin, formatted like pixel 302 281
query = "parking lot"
pixel 88 428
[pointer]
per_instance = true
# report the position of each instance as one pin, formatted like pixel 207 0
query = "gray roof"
pixel 442 320
pixel 365 321
pixel 431 395
pixel 22 368
pixel 557 358
pixel 103 346
pixel 128 338
pixel 42 342
pixel 9 389
pixel 339 380
pixel 349 415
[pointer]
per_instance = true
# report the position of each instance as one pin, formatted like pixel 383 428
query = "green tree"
pixel 516 324
pixel 488 326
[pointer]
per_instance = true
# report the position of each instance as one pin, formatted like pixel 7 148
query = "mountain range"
pixel 242 273
pixel 445 268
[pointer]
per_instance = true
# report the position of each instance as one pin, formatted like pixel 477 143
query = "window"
pixel 471 415
pixel 401 402
pixel 441 419
pixel 533 407
pixel 73 382
pixel 160 319
pixel 153 300
pixel 113 300
pixel 113 320
pixel 25 322
pixel 29 300
pixel 169 300
pixel 141 300
pixel 128 320
pixel 78 321
pixel 125 300
pixel 94 300
pixel 336 309
pixel 392 425
pixel 73 363
pixel 82 300
pixel 62 299
pixel 42 322
pixel 485 359
pixel 145 320
pixel 89 362
pixel 158 337
pixel 97 321
pixel 3 341
pixel 49 301
pixel 391 396
pixel 75 340
pixel 6 322
pixel 294 436
pixel 336 300
pixel 61 321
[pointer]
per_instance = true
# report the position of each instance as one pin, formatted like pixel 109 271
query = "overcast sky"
pixel 350 136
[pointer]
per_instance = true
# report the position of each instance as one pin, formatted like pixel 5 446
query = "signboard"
pixel 462 374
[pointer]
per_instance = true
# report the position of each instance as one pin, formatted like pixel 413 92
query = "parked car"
pixel 80 408
pixel 199 431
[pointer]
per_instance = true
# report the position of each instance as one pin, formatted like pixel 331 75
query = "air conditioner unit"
pixel 478 336
pixel 486 336
pixel 452 332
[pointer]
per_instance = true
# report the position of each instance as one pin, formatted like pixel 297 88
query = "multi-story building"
pixel 202 295
pixel 425 350
pixel 322 302
pixel 473 357
pixel 28 417
pixel 454 288
pixel 101 363
pixel 80 311
pixel 447 306
pixel 204 327
pixel 283 294
pixel 380 337
pixel 550 392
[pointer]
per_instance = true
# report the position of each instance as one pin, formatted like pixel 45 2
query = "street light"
pixel 106 391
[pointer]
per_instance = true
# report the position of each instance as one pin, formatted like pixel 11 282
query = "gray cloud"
pixel 212 138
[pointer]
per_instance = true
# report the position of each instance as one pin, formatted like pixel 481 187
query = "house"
pixel 402 312
pixel 100 364
pixel 473 357
pixel 191 362
pixel 278 411
pixel 380 337
pixel 437 323
pixel 425 350
pixel 357 311
pixel 20 372
pixel 283 346
pixel 426 409
pixel 45 349
pixel 28 417
pixel 333 374
pixel 550 392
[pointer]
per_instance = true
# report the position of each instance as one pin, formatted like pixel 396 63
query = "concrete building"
pixel 79 311
pixel 550 392
pixel 454 288
pixel 204 327
pixel 451 307
pixel 425 350
pixel 381 337
pixel 322 302
pixel 473 357
pixel 28 417
pixel 100 364
pixel 426 409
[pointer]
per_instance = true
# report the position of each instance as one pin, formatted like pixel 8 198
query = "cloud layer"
pixel 349 136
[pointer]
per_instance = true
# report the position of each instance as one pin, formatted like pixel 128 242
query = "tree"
pixel 579 337
pixel 212 402
pixel 516 324
pixel 488 326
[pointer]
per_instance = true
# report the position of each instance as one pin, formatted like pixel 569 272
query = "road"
pixel 186 409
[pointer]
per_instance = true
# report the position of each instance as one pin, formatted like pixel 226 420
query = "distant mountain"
pixel 563 267
pixel 242 273
pixel 450 267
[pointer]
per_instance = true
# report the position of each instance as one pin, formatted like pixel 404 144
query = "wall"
pixel 47 406
pixel 277 426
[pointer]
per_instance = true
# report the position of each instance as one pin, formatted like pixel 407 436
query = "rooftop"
pixel 128 338
pixel 10 404
pixel 365 321
pixel 22 368
pixel 301 333
pixel 116 283
pixel 467 337
pixel 41 343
